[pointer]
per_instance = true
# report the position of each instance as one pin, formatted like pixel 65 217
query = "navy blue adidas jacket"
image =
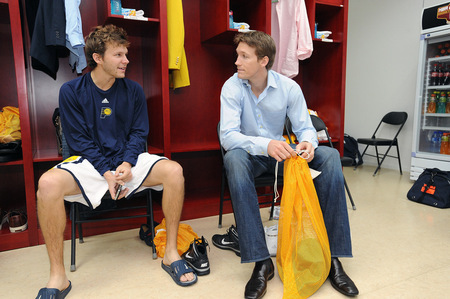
pixel 105 127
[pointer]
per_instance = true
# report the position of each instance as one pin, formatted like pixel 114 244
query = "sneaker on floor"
pixel 197 257
pixel 17 221
pixel 228 241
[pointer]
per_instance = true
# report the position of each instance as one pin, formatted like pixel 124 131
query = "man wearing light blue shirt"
pixel 254 104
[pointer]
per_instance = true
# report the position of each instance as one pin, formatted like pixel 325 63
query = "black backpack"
pixel 351 150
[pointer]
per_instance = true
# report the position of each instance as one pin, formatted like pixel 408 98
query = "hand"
pixel 308 150
pixel 113 185
pixel 280 150
pixel 123 173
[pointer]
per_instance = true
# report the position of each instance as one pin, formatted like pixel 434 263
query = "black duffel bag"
pixel 432 188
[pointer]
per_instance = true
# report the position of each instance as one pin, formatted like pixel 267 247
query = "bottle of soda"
pixel 432 104
pixel 440 107
pixel 440 79
pixel 447 75
pixel 434 75
pixel 444 144
pixel 447 106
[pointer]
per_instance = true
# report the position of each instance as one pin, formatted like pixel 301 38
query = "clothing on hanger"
pixel 292 35
pixel 178 68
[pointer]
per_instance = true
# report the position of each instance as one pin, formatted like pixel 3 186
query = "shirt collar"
pixel 271 80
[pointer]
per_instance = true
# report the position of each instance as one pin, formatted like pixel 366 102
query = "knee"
pixel 48 184
pixel 174 172
pixel 236 160
pixel 331 157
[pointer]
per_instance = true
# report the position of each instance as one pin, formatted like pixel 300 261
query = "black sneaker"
pixel 197 257
pixel 228 241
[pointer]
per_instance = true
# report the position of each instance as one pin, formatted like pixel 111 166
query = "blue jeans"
pixel 241 169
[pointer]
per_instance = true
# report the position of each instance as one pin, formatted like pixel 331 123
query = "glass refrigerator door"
pixel 434 97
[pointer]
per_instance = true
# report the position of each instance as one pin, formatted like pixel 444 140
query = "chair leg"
pixel 356 166
pixel 80 227
pixel 152 223
pixel 349 194
pixel 382 160
pixel 272 207
pixel 73 236
pixel 378 161
pixel 399 162
pixel 222 194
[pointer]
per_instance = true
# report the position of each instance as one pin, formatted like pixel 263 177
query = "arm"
pixel 231 136
pixel 137 137
pixel 301 123
pixel 76 132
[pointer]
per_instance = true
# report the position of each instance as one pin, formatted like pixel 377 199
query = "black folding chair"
pixel 264 180
pixel 319 125
pixel 391 119
pixel 80 213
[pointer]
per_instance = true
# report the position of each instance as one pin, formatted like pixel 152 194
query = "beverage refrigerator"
pixel 432 103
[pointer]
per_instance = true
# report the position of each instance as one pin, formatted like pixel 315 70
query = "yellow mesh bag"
pixel 185 236
pixel 303 251
pixel 9 124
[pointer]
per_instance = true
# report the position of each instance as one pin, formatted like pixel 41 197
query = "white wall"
pixel 382 57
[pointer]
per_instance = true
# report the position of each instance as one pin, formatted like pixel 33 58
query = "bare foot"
pixel 169 258
pixel 58 282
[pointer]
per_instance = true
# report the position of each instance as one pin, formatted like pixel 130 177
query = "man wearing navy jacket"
pixel 104 120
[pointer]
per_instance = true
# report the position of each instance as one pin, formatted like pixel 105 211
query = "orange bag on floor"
pixel 185 236
pixel 9 124
pixel 303 251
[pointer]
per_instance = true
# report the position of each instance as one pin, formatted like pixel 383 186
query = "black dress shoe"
pixel 257 285
pixel 340 280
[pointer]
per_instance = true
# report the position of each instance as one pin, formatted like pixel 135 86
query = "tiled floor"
pixel 401 250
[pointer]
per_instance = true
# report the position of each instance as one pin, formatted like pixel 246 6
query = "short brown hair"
pixel 99 37
pixel 262 42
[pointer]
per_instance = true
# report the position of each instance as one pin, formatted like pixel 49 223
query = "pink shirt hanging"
pixel 292 35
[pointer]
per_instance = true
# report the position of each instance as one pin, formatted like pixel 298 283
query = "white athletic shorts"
pixel 93 186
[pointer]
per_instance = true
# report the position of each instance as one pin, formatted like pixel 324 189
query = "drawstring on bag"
pixel 275 184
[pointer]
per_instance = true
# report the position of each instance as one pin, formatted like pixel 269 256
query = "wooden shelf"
pixel 195 147
pixel 46 155
pixel 339 3
pixel 17 162
pixel 10 240
pixel 214 18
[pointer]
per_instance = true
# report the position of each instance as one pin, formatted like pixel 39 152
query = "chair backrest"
pixel 319 125
pixel 395 119
pixel 288 130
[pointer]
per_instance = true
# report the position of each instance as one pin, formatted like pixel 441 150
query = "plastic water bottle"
pixel 435 142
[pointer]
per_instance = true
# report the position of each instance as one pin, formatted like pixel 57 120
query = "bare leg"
pixel 52 220
pixel 170 174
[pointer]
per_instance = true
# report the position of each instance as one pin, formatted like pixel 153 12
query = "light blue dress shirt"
pixel 250 123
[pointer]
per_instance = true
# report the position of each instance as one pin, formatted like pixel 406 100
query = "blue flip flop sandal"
pixel 46 293
pixel 177 269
